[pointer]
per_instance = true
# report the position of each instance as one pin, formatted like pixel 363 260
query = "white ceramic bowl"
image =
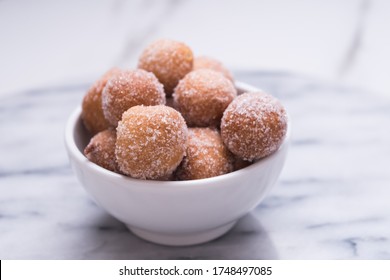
pixel 175 212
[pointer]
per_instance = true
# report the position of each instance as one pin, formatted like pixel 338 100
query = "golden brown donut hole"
pixel 202 97
pixel 129 88
pixel 92 111
pixel 206 155
pixel 151 141
pixel 205 62
pixel 169 60
pixel 254 125
pixel 101 150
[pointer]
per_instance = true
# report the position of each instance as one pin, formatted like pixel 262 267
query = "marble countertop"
pixel 49 43
pixel 332 200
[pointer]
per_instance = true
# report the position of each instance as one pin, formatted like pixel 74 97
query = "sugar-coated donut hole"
pixel 151 142
pixel 206 155
pixel 202 96
pixel 129 88
pixel 169 60
pixel 254 125
pixel 92 111
pixel 101 150
pixel 205 62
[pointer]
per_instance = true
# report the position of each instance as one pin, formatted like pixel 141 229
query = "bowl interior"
pixel 81 136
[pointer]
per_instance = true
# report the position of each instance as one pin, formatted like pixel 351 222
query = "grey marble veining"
pixel 357 39
pixel 331 202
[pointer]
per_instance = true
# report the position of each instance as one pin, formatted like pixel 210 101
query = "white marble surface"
pixel 328 61
pixel 331 202
pixel 54 43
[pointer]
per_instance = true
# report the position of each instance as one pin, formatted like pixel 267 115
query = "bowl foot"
pixel 181 239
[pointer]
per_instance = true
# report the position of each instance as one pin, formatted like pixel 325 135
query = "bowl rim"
pixel 74 151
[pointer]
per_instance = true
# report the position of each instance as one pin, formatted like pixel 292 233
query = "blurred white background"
pixel 54 43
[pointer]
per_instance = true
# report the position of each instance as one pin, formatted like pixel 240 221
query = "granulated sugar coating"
pixel 92 111
pixel 129 88
pixel 204 62
pixel 206 156
pixel 202 97
pixel 151 142
pixel 254 125
pixel 101 150
pixel 169 60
